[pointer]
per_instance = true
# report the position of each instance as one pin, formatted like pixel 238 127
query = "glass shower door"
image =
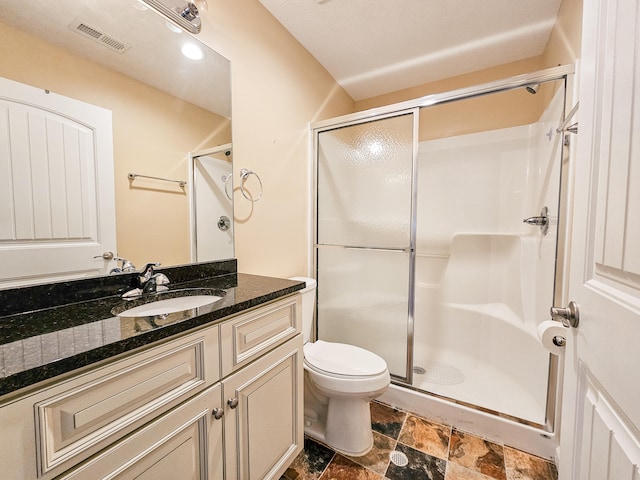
pixel 365 206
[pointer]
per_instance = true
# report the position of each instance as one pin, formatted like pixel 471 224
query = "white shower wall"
pixel 484 279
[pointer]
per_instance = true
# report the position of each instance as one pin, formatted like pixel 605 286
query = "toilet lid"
pixel 343 359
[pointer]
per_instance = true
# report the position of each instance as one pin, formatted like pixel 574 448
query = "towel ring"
pixel 244 174
pixel 227 180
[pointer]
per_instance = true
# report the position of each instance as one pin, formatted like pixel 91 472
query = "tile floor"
pixel 434 452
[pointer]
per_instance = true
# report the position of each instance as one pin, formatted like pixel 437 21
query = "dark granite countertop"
pixel 41 344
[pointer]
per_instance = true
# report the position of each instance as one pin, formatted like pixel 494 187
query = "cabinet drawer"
pixel 111 402
pixel 248 336
pixel 186 443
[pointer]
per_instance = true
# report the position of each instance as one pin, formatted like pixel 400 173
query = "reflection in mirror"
pixel 211 203
pixel 124 58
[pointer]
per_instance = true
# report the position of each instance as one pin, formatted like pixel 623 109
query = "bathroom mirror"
pixel 123 56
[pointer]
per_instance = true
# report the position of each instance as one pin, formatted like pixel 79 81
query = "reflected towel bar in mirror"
pixel 133 176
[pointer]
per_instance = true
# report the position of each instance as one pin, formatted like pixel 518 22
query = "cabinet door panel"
pixel 266 425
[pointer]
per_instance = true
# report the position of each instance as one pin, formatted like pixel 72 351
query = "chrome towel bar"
pixel 133 176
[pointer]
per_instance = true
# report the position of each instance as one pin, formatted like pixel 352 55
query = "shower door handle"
pixel 569 316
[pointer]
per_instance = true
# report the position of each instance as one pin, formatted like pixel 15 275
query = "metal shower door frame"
pixel 316 131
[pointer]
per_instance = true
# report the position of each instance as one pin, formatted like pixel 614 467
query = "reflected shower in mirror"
pixel 124 57
pixel 211 203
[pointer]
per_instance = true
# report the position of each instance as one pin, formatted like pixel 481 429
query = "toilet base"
pixel 346 429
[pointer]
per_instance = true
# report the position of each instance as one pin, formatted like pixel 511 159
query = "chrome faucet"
pixel 125 266
pixel 147 272
pixel 148 282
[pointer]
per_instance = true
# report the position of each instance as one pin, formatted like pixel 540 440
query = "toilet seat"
pixel 342 360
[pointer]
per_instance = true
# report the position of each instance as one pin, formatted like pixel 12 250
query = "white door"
pixel 57 208
pixel 601 407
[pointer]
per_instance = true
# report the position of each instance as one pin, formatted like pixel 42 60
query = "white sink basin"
pixel 170 305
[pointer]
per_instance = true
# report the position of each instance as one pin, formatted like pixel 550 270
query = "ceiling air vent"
pixel 96 35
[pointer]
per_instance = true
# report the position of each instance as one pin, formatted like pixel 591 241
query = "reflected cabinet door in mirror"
pixel 56 193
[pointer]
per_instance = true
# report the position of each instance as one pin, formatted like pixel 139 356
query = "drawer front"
pixel 186 443
pixel 75 423
pixel 248 336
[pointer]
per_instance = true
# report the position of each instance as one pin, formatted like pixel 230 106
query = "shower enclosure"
pixel 421 252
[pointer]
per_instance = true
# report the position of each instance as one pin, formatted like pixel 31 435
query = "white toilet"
pixel 339 382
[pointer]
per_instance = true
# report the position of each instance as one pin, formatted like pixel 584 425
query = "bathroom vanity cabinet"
pixel 221 402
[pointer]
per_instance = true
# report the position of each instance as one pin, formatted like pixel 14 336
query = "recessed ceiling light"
pixel 192 51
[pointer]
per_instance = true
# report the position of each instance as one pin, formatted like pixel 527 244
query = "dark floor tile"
pixel 341 468
pixel 386 420
pixel 421 466
pixel 310 463
pixel 477 454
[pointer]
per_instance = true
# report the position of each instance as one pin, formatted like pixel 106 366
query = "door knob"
pixel 569 316
pixel 232 402
pixel 105 256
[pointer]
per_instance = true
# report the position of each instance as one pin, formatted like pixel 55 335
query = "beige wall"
pixel 278 88
pixel 152 217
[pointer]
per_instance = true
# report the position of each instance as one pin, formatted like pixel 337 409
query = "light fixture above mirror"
pixel 184 13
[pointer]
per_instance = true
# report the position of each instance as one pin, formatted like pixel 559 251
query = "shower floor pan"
pixel 462 378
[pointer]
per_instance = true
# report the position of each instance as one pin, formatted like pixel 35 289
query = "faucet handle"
pixel 155 283
pixel 161 279
pixel 147 272
pixel 126 266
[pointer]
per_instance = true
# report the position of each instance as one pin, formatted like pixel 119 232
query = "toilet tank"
pixel 308 305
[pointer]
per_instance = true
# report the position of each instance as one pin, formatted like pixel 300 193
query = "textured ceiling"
pixel 372 47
